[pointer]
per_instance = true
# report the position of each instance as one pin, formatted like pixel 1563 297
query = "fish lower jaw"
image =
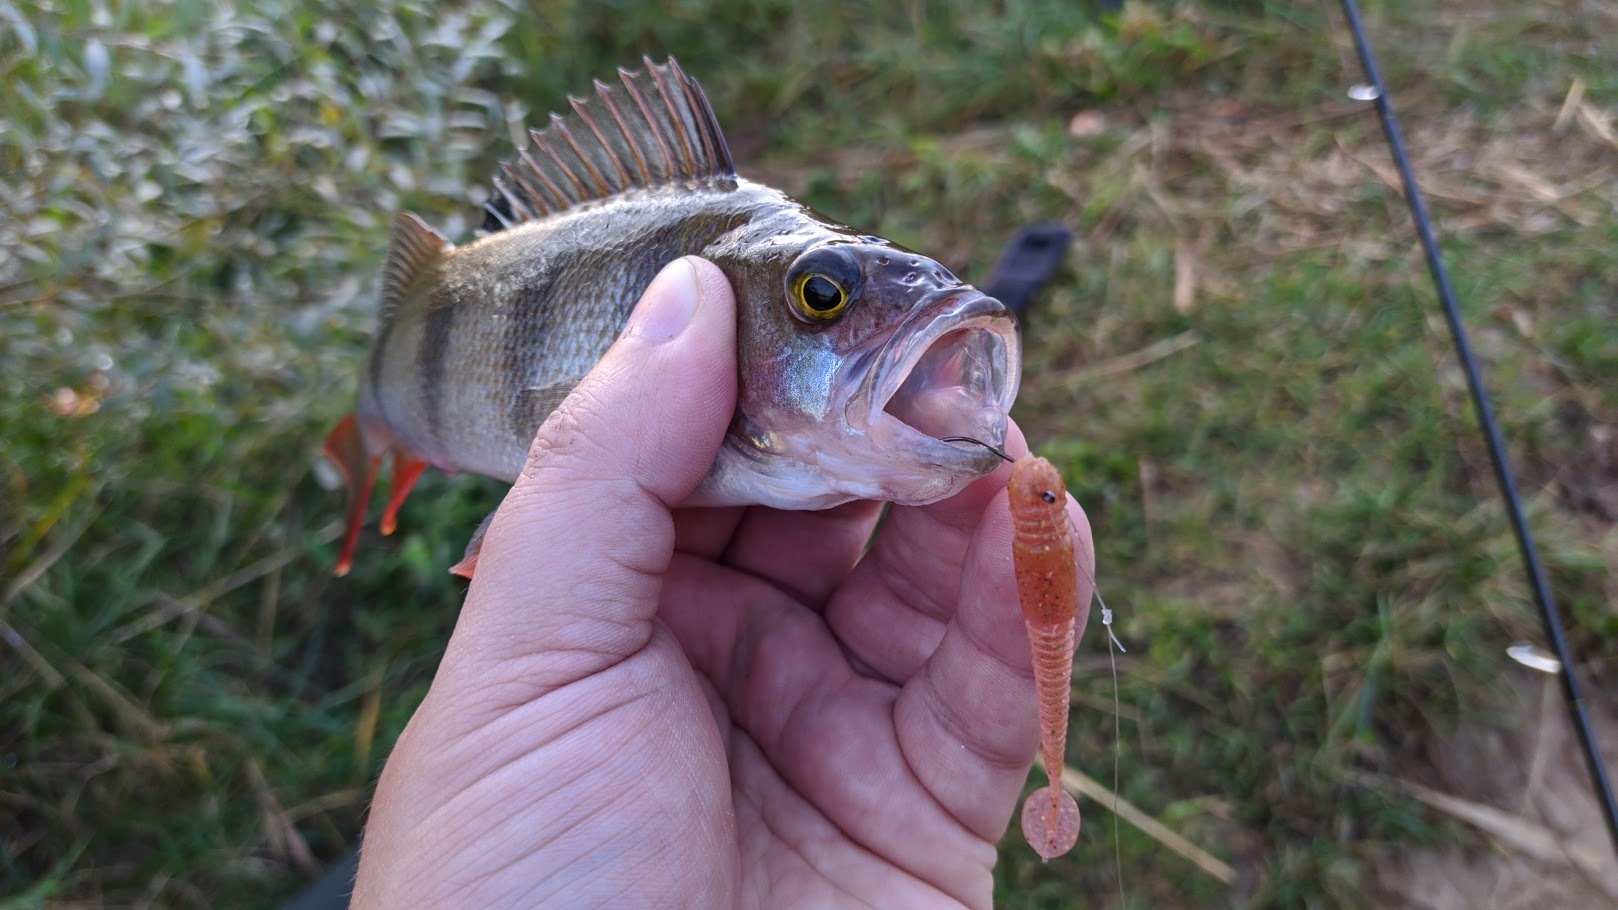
pixel 821 478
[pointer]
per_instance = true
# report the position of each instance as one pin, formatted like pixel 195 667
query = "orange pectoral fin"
pixel 346 449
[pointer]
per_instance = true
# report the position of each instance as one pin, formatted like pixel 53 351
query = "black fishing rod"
pixel 1491 432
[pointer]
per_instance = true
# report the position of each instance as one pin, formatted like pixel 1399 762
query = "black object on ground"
pixel 1027 264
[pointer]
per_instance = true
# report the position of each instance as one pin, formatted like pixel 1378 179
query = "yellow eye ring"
pixel 818 297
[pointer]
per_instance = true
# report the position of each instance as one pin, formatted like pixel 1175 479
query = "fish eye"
pixel 1048 496
pixel 819 297
pixel 822 284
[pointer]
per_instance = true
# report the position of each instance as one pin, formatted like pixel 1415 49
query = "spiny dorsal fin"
pixel 411 247
pixel 654 128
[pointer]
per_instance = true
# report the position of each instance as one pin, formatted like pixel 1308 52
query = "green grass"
pixel 1295 518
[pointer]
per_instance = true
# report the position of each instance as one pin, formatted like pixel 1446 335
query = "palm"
pixel 790 725
pixel 876 736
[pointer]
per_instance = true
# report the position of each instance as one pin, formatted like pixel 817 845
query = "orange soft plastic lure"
pixel 1048 589
pixel 1047 585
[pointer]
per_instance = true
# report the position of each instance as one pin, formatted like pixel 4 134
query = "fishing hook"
pixel 980 442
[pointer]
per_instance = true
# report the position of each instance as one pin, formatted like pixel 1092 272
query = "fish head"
pixel 857 357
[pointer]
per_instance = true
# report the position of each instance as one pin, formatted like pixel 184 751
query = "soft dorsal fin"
pixel 411 247
pixel 653 129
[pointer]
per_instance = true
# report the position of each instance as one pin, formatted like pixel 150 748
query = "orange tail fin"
pixel 346 449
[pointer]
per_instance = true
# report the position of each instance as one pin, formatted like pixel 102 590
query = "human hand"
pixel 649 707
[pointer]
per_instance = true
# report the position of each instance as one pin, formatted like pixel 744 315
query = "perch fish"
pixel 856 356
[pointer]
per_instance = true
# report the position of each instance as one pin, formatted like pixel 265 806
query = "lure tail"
pixel 1050 815
pixel 360 464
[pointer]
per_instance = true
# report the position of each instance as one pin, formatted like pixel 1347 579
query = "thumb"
pixel 572 563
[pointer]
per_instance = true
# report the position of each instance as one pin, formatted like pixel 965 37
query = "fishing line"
pixel 1480 402
pixel 1117 739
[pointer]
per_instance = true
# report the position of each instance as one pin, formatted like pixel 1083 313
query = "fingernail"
pixel 668 304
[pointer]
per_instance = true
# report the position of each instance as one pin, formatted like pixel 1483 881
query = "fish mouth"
pixel 956 375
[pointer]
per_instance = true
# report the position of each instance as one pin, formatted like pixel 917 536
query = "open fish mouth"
pixel 955 376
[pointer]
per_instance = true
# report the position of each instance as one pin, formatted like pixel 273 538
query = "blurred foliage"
pixel 1294 520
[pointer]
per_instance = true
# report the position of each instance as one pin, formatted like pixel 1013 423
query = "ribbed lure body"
pixel 1047 587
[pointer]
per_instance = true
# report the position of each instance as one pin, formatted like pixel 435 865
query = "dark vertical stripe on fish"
pixel 527 331
pixel 435 339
